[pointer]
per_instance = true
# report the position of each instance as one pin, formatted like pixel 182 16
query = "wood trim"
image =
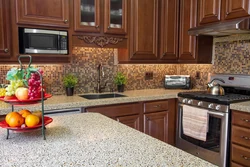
pixel 100 40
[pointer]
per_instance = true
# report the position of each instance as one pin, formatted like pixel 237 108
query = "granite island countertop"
pixel 242 106
pixel 90 139
pixel 64 102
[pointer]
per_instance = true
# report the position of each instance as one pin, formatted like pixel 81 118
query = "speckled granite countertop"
pixel 63 101
pixel 90 139
pixel 242 106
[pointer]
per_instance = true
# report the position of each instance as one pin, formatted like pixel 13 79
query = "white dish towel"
pixel 195 122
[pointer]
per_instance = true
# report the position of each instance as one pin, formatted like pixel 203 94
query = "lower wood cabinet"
pixel 156 125
pixel 155 118
pixel 240 139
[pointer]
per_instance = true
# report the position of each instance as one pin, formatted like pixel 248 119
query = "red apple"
pixel 22 93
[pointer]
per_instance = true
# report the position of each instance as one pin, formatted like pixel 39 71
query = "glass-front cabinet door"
pixel 115 16
pixel 87 15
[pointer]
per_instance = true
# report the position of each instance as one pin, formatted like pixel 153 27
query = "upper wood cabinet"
pixel 115 16
pixel 187 44
pixel 169 15
pixel 49 13
pixel 5 36
pixel 237 8
pixel 87 15
pixel 209 11
pixel 144 29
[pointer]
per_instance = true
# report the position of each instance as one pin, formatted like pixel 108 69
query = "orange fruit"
pixel 15 120
pixel 7 117
pixel 32 120
pixel 24 113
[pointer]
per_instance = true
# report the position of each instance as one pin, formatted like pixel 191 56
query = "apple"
pixel 22 93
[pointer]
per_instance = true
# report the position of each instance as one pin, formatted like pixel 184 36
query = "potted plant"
pixel 69 81
pixel 120 81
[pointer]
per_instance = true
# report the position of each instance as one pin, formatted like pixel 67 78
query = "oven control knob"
pixel 217 107
pixel 184 100
pixel 211 105
pixel 190 101
pixel 200 103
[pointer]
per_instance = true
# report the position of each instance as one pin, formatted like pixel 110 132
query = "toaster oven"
pixel 177 82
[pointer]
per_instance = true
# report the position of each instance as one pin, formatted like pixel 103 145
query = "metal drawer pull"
pixel 157 106
pixel 246 158
pixel 6 50
pixel 246 120
pixel 65 21
pixel 245 137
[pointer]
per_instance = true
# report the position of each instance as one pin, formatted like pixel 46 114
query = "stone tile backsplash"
pixel 231 55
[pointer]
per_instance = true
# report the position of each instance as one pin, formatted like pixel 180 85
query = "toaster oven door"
pixel 177 82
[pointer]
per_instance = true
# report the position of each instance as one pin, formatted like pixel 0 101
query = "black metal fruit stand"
pixel 26 103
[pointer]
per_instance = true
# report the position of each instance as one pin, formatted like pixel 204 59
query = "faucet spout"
pixel 100 75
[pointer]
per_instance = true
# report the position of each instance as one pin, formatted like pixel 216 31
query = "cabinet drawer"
pixel 241 119
pixel 241 155
pixel 235 165
pixel 155 106
pixel 241 136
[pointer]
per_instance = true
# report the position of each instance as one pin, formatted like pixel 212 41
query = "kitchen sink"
pixel 102 96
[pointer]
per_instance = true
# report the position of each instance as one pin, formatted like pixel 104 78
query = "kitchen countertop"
pixel 64 102
pixel 90 139
pixel 242 106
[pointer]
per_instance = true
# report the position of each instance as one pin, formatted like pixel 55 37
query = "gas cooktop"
pixel 227 99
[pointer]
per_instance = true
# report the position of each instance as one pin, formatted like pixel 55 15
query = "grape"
pixel 11 88
pixel 35 85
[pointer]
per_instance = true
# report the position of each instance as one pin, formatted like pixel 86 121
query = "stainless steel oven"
pixel 215 148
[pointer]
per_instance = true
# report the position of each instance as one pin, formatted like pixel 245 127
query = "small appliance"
pixel 177 82
pixel 41 41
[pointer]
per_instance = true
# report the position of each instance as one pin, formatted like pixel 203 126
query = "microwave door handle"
pixel 58 42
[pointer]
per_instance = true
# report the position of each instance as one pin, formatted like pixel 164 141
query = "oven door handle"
pixel 216 113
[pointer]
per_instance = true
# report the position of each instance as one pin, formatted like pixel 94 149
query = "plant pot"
pixel 69 91
pixel 120 88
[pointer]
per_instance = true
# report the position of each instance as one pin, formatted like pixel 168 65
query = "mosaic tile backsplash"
pixel 231 55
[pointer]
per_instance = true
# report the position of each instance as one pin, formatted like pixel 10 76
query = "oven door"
pixel 214 149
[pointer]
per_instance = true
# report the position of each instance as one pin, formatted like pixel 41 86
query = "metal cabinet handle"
pixel 65 21
pixel 216 15
pixel 97 26
pixel 108 27
pixel 245 157
pixel 246 120
pixel 245 137
pixel 156 106
pixel 227 13
pixel 6 50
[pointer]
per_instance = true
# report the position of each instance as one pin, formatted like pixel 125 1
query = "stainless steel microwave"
pixel 40 41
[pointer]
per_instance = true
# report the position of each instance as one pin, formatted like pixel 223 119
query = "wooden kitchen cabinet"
pixel 115 16
pixel 5 36
pixel 160 120
pixel 87 15
pixel 209 11
pixel 236 9
pixel 240 137
pixel 143 29
pixel 49 13
pixel 128 114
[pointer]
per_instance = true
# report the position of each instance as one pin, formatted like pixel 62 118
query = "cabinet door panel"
pixel 169 29
pixel 236 9
pixel 54 13
pixel 156 125
pixel 4 28
pixel 144 29
pixel 187 44
pixel 87 15
pixel 115 17
pixel 209 11
pixel 131 121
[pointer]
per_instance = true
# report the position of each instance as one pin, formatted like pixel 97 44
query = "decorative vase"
pixel 120 88
pixel 69 91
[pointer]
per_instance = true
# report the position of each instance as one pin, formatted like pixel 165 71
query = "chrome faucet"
pixel 100 75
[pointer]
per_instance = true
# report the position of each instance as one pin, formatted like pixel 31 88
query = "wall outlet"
pixel 197 75
pixel 148 75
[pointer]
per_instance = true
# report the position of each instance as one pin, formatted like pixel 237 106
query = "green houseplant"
pixel 69 81
pixel 120 80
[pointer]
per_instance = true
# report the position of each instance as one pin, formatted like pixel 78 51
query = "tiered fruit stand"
pixel 15 102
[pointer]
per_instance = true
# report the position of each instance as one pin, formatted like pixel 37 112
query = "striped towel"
pixel 195 122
